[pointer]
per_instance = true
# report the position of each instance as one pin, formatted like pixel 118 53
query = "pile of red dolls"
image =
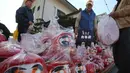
pixel 52 51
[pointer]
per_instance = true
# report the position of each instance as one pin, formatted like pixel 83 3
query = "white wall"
pixel 36 4
pixel 61 7
pixel 49 10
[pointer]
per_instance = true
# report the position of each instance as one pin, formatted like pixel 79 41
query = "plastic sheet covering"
pixel 32 43
pixel 2 37
pixel 23 63
pixel 9 48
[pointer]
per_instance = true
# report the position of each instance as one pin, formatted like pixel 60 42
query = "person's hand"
pixel 76 34
pixel 114 15
pixel 30 22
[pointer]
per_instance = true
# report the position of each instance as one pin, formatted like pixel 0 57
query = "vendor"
pixel 85 25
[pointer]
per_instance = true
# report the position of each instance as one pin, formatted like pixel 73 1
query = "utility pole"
pixel 44 2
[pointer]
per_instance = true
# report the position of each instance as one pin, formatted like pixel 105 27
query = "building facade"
pixel 47 9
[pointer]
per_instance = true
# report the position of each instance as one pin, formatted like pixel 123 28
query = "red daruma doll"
pixel 90 68
pixel 2 37
pixel 77 60
pixel 59 68
pixel 23 63
pixel 60 63
pixel 8 49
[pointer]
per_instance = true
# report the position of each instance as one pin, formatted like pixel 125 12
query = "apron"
pixel 85 35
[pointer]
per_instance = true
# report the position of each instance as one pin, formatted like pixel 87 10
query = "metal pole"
pixel 107 5
pixel 43 8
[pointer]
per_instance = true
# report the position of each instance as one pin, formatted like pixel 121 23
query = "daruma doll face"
pixel 80 68
pixel 28 68
pixel 61 69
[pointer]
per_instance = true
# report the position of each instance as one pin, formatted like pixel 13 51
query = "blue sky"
pixel 99 5
pixel 9 7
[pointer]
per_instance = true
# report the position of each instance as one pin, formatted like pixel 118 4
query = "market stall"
pixel 53 50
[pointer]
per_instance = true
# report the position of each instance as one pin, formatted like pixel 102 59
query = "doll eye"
pixel 37 66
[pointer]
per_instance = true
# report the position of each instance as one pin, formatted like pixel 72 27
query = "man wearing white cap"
pixel 85 25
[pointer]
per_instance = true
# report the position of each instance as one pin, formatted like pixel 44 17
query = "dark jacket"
pixel 5 30
pixel 23 16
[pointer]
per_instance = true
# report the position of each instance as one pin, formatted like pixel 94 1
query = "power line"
pixel 107 5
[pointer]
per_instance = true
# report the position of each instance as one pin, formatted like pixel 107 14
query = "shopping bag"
pixel 15 35
pixel 107 30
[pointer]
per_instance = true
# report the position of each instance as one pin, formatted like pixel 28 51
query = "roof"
pixel 68 4
pixel 73 13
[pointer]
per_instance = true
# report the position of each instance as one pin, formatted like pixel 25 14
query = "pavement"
pixel 113 70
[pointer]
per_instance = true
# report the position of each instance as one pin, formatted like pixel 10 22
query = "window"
pixel 38 8
pixel 33 9
pixel 60 13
